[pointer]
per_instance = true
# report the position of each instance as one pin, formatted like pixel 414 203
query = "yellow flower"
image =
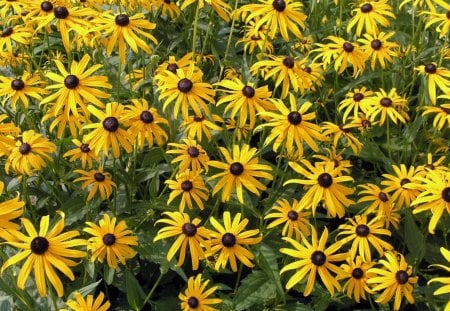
pixel 83 153
pixel 442 115
pixel 230 240
pixel 312 258
pixel 441 19
pixel 403 195
pixel 239 172
pixel 369 14
pixel 323 182
pixel 386 104
pixel 445 280
pixel 436 78
pixel 44 251
pixel 190 185
pixel 379 49
pixel 196 296
pixel 197 126
pixel 10 210
pixel 110 240
pixel 190 154
pixel 337 132
pixel 96 181
pixel 88 303
pixel 188 233
pixel 220 7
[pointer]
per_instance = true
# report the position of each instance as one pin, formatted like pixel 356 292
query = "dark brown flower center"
pixel 99 177
pixel 325 180
pixel 236 168
pixel 402 277
pixel 109 239
pixel 429 166
pixel 122 20
pixel 366 8
pixel 146 117
pixel 61 12
pixel 46 6
pixel 199 118
pixel 446 194
pixel 185 85
pixel 25 148
pixel 111 124
pixel 167 1
pixel 292 215
pixel 447 14
pixel 404 181
pixel 248 91
pixel 17 84
pixel 193 152
pixel 362 230
pixel 193 302
pixel 187 185
pixel 307 69
pixel 228 239
pixel 358 97
pixel 85 148
pixel 376 44
pixel 318 258
pixel 172 68
pixel 71 81
pixel 7 32
pixel 294 117
pixel 386 102
pixel 430 68
pixel 348 47
pixel 383 197
pixel 189 229
pixel 365 123
pixel 39 245
pixel 288 62
pixel 279 5
pixel 357 273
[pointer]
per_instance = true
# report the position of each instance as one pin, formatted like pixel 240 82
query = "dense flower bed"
pixel 224 155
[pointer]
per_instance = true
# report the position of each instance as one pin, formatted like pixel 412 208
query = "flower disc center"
pixel 189 229
pixel 376 44
pixel 122 20
pixel 71 81
pixel 172 68
pixel 294 117
pixel 61 12
pixel 39 245
pixel 17 84
pixel 430 68
pixel 386 102
pixel 362 230
pixel 228 239
pixel 185 85
pixel 99 177
pixel 193 152
pixel 236 168
pixel 292 215
pixel 348 47
pixel 366 8
pixel 318 258
pixel 248 91
pixel 192 302
pixel 6 32
pixel 446 194
pixel 111 124
pixel 402 277
pixel 146 117
pixel 358 97
pixel 383 197
pixel 187 185
pixel 279 5
pixel 288 62
pixel 325 180
pixel 85 148
pixel 46 6
pixel 357 273
pixel 25 148
pixel 109 239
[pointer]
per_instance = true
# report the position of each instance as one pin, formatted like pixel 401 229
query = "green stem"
pixel 227 50
pixel 388 138
pixel 194 36
pixel 238 279
pixel 152 290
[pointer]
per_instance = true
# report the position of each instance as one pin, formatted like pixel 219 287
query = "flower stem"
pixel 152 291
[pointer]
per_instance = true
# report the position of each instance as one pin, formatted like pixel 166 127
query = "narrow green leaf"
pixel 135 294
pixel 88 289
pixel 108 274
pixel 414 239
pixel 267 260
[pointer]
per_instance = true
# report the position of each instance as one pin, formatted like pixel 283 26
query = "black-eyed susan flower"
pixel 122 30
pixel 190 154
pixel 355 271
pixel 230 240
pixel 190 185
pixel 282 16
pixel 422 4
pixel 20 89
pixel 9 211
pixel 439 17
pixel 434 196
pixel 108 131
pixel 96 181
pixel 221 7
pixel 402 195
pixel 16 35
pixel 240 170
pixel 144 123
pixel 77 87
pixel 394 278
pixel 83 153
pixel 312 259
pixel 292 126
pixel 336 158
pixel 342 134
pixel 436 78
pixel 167 7
pixel 286 71
pixel 379 49
pixel 386 104
pixel 31 152
pixel 351 105
pixel 188 233
pixel 432 165
pixel 341 53
pixel 45 250
pixel 186 89
pixel 256 37
pixel 378 199
pixel 7 6
pixel 370 14
pixel 111 240
pixel 88 303
pixel 295 221
pixel 365 234
pixel 197 127
pixel 324 184
pixel 441 115
pixel 172 64
pixel 63 121
pixel 445 280
pixel 244 100
pixel 196 297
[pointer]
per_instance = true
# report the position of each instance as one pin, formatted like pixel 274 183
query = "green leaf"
pixel 254 290
pixel 414 239
pixel 108 274
pixel 267 261
pixel 88 289
pixel 135 294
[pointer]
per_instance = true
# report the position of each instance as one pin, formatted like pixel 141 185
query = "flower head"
pixel 88 304
pixel 190 185
pixel 196 297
